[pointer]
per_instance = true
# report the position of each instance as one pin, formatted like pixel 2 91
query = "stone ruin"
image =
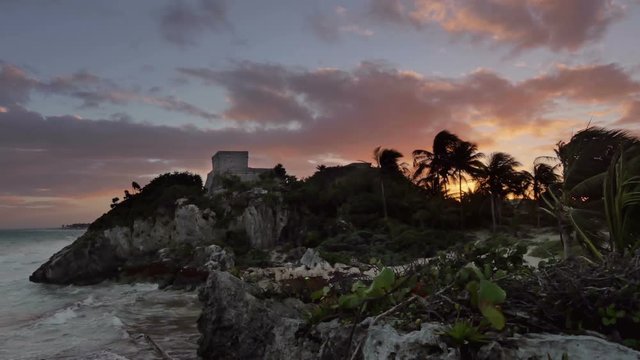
pixel 231 163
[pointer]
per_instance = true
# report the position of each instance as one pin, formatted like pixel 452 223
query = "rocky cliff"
pixel 165 246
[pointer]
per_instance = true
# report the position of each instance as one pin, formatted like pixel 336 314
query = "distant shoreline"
pixel 79 226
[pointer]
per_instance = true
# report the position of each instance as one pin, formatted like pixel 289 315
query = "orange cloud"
pixel 521 24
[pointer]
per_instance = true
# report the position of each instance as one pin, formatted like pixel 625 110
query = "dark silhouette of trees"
pixel 497 177
pixel 437 165
pixel 114 202
pixel 544 176
pixel 465 161
pixel 279 171
pixel 387 161
pixel 127 195
pixel 136 187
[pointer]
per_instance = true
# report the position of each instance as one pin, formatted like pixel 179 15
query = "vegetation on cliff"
pixel 157 198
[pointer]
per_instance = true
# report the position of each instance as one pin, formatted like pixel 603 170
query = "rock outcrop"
pixel 237 323
pixel 101 254
pixel 264 221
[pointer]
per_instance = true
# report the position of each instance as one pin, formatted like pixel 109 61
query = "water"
pixel 104 321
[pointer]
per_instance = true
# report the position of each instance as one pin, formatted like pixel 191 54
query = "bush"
pixel 156 198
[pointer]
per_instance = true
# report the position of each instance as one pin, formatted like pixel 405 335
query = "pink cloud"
pixel 520 24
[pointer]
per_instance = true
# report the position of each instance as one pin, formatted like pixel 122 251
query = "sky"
pixel 97 94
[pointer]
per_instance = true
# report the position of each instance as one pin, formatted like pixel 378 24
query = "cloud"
pixel 16 86
pixel 183 22
pixel 374 95
pixel 519 24
pixel 341 115
pixel 631 114
pixel 331 27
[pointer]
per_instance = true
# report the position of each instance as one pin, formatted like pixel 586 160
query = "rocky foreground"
pixel 238 322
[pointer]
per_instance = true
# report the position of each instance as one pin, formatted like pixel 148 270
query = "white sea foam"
pixel 117 322
pixel 60 317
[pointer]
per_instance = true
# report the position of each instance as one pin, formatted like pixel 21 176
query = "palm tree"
pixel 496 177
pixel 438 164
pixel 544 176
pixel 585 160
pixel 387 161
pixel 465 160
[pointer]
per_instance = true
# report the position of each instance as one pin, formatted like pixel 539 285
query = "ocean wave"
pixel 100 355
pixel 60 317
pixel 70 312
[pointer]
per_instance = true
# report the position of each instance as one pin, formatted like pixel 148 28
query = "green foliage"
pixel 238 240
pixel 233 184
pixel 592 170
pixel 398 244
pixel 610 315
pixel 486 296
pixel 462 333
pixel 253 258
pixel 622 200
pixel 384 291
pixel 156 198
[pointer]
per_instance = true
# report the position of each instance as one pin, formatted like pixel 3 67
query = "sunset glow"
pixel 96 94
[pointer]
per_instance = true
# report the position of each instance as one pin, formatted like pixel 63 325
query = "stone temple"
pixel 234 163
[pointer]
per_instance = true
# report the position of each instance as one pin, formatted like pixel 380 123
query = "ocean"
pixel 104 321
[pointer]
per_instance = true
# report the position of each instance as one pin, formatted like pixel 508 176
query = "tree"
pixel 114 202
pixel 497 177
pixel 543 177
pixel 580 204
pixel 127 195
pixel 387 161
pixel 438 165
pixel 279 171
pixel 136 187
pixel 465 160
pixel 622 200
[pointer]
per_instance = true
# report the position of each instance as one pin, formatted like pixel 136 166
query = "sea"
pixel 97 322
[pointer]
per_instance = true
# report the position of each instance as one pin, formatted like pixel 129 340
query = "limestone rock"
pixel 385 342
pixel 213 257
pixel 263 222
pixel 577 347
pixel 312 259
pixel 99 255
pixel 191 226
